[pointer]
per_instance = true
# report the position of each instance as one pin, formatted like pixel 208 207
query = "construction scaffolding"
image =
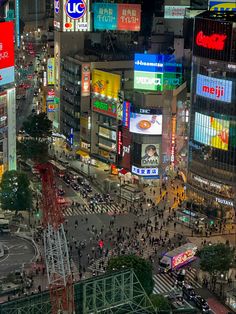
pixel 116 293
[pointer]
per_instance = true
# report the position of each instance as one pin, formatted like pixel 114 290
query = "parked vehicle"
pixel 178 257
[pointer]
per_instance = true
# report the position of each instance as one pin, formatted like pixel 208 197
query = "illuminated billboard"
pixel 148 81
pixel 85 79
pixel 174 11
pixel 116 16
pixel 51 71
pixel 105 16
pixel 106 108
pixel 156 72
pixel 72 15
pixel 150 155
pixel 145 123
pixel 148 172
pixel 221 5
pixel 105 84
pixel 213 88
pixel 6 53
pixel 211 131
pixel 212 39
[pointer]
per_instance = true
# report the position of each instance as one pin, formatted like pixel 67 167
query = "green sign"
pixel 105 108
pixel 10 15
pixel 172 80
pixel 151 81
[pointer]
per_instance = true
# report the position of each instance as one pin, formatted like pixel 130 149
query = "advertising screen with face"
pixel 150 155
pixel 211 131
pixel 145 123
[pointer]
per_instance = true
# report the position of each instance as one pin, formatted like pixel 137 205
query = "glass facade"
pixel 212 138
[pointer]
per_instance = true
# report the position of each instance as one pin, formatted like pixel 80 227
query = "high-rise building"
pixel 212 143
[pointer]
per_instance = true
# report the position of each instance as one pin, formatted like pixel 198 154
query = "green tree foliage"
pixel 15 193
pixel 141 267
pixel 216 259
pixel 160 302
pixel 35 147
pixel 38 126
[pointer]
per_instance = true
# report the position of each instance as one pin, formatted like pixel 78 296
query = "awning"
pixel 82 153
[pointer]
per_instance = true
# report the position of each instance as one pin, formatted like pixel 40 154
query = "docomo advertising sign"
pixel 112 16
pixel 7 74
pixel 105 84
pixel 150 155
pixel 148 172
pixel 175 12
pixel 146 124
pixel 85 79
pixel 51 71
pixel 220 5
pixel 213 88
pixel 72 15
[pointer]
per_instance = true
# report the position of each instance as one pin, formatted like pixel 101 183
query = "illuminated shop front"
pixel 212 142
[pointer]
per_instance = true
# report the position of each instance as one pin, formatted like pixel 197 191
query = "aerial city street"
pixel 117 156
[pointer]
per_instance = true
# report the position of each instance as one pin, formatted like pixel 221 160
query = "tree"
pixel 160 302
pixel 216 259
pixel 38 126
pixel 15 193
pixel 39 129
pixel 141 267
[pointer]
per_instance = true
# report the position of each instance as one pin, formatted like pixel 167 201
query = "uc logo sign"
pixel 57 6
pixel 75 9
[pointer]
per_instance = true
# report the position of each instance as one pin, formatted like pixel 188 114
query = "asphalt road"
pixel 18 252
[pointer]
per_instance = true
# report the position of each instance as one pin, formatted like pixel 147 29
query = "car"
pixel 74 186
pixel 201 304
pixel 188 292
pixel 60 192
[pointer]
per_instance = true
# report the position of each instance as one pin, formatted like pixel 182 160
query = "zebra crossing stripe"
pixel 110 209
pixel 164 283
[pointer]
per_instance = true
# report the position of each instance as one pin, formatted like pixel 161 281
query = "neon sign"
pixel 214 41
pixel 107 109
pixel 75 9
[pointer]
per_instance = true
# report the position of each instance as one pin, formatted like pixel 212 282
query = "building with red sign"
pixel 211 179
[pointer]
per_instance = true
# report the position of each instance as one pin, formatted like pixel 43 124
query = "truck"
pixel 178 257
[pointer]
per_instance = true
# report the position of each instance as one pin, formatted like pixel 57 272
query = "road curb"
pixel 28 238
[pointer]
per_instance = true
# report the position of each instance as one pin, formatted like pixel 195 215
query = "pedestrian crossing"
pixel 164 283
pixel 85 210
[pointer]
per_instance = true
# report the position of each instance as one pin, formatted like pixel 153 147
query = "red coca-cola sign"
pixel 214 41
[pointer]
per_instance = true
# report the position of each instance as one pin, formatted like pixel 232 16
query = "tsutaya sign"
pixel 214 41
pixel 224 201
pixel 214 88
pixel 72 15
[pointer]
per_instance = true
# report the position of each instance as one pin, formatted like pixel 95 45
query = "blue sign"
pixel 7 75
pixel 17 23
pixel 75 9
pixel 148 63
pixel 221 6
pixel 213 88
pixel 57 6
pixel 105 16
pixel 150 172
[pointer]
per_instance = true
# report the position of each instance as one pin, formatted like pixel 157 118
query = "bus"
pixel 58 168
pixel 4 226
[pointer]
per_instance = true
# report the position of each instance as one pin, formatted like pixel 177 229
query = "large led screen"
pixel 214 88
pixel 150 155
pixel 145 124
pixel 211 131
pixel 222 5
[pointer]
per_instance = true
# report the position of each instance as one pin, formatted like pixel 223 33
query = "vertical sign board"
pixel 85 79
pixel 212 39
pixel 17 6
pixel 105 16
pixel 11 113
pixel 51 71
pixel 129 17
pixel 7 73
pixel 72 15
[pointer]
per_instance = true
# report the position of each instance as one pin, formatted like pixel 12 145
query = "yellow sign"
pixel 105 84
